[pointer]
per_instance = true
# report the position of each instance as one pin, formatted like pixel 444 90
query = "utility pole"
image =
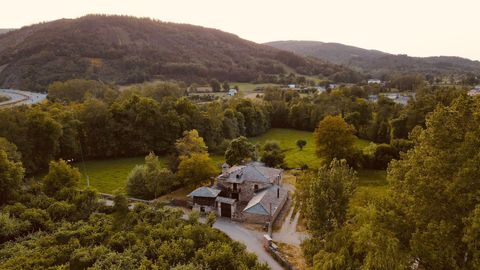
pixel 270 225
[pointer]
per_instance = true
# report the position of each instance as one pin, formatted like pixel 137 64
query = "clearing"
pixel 111 174
pixel 294 156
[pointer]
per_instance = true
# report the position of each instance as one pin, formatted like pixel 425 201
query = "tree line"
pixel 88 120
pixel 135 122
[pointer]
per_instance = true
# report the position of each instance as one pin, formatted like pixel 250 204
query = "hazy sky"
pixel 413 27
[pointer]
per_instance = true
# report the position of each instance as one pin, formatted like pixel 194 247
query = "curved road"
pixel 18 97
pixel 251 239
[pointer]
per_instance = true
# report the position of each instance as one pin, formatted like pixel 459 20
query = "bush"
pixel 378 156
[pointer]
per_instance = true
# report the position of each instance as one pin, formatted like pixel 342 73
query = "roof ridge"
pixel 255 167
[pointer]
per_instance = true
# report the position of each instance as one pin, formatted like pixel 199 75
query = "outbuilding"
pixel 204 199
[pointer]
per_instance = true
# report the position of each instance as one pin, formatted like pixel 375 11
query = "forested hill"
pixel 5 30
pixel 120 49
pixel 376 62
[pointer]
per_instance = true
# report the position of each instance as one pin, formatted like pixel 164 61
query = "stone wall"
pixel 206 209
pixel 254 218
pixel 248 190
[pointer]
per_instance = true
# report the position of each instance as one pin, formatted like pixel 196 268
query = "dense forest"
pixel 378 63
pixel 52 224
pixel 122 50
pixel 427 219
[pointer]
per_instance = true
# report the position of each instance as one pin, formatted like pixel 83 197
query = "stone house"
pixel 250 192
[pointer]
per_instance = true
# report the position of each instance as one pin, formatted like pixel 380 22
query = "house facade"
pixel 252 193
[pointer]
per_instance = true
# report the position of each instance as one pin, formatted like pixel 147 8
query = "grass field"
pixel 111 174
pixel 293 156
pixel 250 87
pixel 372 184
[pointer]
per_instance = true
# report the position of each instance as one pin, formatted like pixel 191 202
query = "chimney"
pixel 225 168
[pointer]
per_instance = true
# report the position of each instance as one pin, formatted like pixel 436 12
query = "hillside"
pixel 122 50
pixel 5 30
pixel 378 63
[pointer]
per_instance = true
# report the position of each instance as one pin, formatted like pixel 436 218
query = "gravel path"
pixel 251 239
pixel 288 232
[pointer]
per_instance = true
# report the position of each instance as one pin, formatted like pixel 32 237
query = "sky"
pixel 413 27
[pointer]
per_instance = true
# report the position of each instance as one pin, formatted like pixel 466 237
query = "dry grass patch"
pixel 293 254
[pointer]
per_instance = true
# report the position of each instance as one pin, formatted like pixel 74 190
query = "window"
pixel 202 209
pixel 255 187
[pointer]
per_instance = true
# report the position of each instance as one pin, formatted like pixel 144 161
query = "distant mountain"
pixel 120 49
pixel 376 62
pixel 5 30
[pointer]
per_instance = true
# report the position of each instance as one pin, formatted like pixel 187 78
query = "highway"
pixel 18 97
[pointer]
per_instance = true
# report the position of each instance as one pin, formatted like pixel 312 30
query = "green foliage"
pixel 441 163
pixel 226 86
pixel 60 176
pixel 216 87
pixel 429 216
pixel 190 143
pixel 11 171
pixel 196 169
pixel 272 155
pixel 157 90
pixel 471 237
pixel 211 219
pixel 239 150
pixel 301 143
pixel 145 238
pixel 377 156
pixel 79 89
pixel 4 98
pixel 151 180
pixel 334 139
pixel 325 196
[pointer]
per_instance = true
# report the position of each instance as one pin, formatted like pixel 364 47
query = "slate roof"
pixel 262 200
pixel 205 192
pixel 251 172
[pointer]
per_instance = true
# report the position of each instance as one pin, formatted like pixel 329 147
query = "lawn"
pixel 294 156
pixel 250 87
pixel 287 139
pixel 111 174
pixel 372 184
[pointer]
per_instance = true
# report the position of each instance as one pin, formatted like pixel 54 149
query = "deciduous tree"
pixel 272 155
pixel 300 144
pixel 240 149
pixel 196 169
pixel 60 176
pixel 334 138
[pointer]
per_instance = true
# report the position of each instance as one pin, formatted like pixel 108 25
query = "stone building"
pixel 250 192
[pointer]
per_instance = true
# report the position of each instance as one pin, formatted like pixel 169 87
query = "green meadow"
pixel 111 174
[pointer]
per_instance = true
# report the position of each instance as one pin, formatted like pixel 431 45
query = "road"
pixel 18 97
pixel 251 239
pixel 288 232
